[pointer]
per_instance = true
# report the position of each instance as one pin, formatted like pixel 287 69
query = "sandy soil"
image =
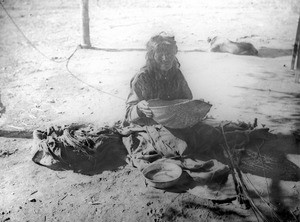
pixel 37 92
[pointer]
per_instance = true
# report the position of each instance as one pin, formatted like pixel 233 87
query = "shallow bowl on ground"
pixel 178 114
pixel 162 175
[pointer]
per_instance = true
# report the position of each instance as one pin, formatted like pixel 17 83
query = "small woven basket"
pixel 178 114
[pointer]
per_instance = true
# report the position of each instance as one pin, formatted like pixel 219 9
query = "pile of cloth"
pixel 89 149
pixel 82 148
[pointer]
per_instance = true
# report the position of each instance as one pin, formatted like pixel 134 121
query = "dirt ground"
pixel 37 92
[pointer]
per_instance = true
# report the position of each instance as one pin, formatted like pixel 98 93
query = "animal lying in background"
pixel 220 44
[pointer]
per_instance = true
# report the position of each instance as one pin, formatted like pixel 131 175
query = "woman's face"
pixel 164 57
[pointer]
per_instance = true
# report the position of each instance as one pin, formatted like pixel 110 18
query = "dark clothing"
pixel 153 84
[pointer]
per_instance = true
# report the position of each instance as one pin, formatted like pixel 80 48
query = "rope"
pixel 89 85
pixel 27 39
pixel 67 60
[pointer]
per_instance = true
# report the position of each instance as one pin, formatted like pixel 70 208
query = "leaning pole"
pixel 296 54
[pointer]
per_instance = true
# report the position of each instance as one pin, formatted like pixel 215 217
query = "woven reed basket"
pixel 180 113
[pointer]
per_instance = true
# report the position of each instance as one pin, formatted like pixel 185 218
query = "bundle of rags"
pixel 198 150
pixel 82 148
pixel 150 144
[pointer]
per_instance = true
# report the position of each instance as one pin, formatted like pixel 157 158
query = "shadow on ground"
pixel 274 53
pixel 16 134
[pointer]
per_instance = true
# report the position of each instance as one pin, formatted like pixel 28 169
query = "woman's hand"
pixel 143 107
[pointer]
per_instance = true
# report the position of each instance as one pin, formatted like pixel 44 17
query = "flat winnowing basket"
pixel 180 113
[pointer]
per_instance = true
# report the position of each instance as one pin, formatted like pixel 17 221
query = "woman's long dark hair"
pixel 152 46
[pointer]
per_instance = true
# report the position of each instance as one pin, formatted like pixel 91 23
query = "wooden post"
pixel 296 46
pixel 86 42
pixel 297 71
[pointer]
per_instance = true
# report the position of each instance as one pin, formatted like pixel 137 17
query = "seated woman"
pixel 162 79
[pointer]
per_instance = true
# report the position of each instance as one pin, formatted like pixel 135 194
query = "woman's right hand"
pixel 143 107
